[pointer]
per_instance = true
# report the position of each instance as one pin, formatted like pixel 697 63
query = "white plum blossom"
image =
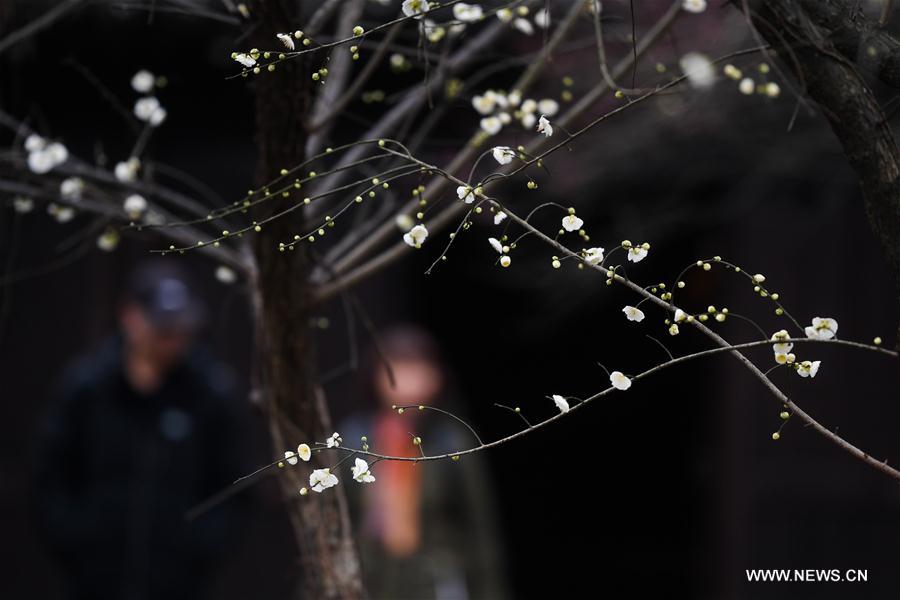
pixel 126 171
pixel 108 240
pixel 633 313
pixel 286 39
pixel 43 156
pixel 290 457
pixel 159 115
pixel 498 218
pixel 699 70
pixel 491 125
pixel 505 14
pixel 544 126
pixel 496 245
pixel 322 479
pixel 304 452
pixel 145 107
pixel 244 58
pixel 467 13
pixel 34 142
pixel 23 205
pixel 143 81
pixel 542 18
pixel 62 214
pixel 673 329
pixel 134 206
pixel 72 188
pixel 503 154
pixel 619 380
pixel 593 256
pixel 523 25
pixel 561 403
pixel 360 471
pixel 466 194
pixel 404 222
pixel 505 260
pixel 57 152
pixel 40 162
pixel 484 103
pixel 398 61
pixel 571 223
pixel 225 274
pixel 637 253
pixel 822 328
pixel 808 368
pixel 548 107
pixel 334 441
pixel 693 6
pixel 780 347
pixel 680 315
pixel 416 236
pixel 413 8
pixel 747 86
pixel 433 31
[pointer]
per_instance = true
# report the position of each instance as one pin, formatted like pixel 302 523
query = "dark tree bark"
pixel 328 559
pixel 819 40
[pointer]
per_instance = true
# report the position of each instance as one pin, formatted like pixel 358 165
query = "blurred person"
pixel 144 431
pixel 426 530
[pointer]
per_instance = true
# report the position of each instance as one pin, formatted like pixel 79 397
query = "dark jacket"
pixel 118 471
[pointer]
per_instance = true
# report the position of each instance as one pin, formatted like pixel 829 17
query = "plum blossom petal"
pixel 561 403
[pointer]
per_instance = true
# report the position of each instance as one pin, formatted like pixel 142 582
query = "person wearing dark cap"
pixel 144 431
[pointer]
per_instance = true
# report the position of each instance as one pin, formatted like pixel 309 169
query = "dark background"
pixel 672 488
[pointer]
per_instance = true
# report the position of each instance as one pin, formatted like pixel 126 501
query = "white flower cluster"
pixel 518 18
pixel 501 249
pixel 322 479
pixel 44 156
pixel 821 329
pixel 500 109
pixel 636 253
pixel 149 110
pixel 748 86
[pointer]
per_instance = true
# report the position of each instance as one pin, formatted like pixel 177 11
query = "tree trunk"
pixel 328 560
pixel 815 39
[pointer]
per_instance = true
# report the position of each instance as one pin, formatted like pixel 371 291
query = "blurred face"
pixel 162 347
pixel 415 382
